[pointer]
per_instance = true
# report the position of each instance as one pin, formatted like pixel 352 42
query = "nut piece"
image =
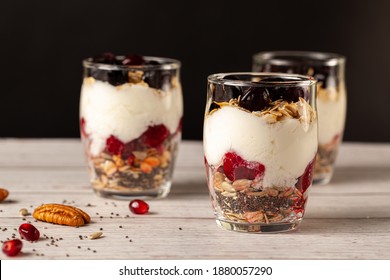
pixel 95 235
pixel 23 212
pixel 61 214
pixel 3 194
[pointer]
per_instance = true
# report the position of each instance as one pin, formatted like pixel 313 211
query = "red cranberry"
pixel 304 182
pixel 29 232
pixel 114 145
pixel 133 59
pixel 12 247
pixel 155 135
pixel 236 167
pixel 138 206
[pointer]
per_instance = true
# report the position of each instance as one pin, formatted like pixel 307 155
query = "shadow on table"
pixel 343 226
pixel 190 188
pixel 361 174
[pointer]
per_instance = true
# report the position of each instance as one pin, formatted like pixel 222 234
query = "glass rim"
pixel 296 79
pixel 165 64
pixel 287 57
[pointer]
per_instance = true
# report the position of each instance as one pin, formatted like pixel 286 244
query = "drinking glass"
pixel 131 112
pixel 328 69
pixel 260 143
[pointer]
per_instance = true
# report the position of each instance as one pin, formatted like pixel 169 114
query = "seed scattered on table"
pixel 95 235
pixel 23 212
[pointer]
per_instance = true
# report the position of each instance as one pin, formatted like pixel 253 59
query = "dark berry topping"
pixel 133 59
pixel 236 167
pixel 289 94
pixel 255 99
pixel 106 58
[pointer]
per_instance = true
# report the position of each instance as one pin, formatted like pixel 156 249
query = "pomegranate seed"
pixel 12 247
pixel 29 232
pixel 138 206
pixel 114 145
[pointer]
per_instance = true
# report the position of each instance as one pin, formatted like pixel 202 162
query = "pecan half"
pixel 3 194
pixel 61 214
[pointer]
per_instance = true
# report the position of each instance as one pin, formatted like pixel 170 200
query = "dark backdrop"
pixel 43 42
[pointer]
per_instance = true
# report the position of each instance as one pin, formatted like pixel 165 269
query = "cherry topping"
pixel 107 57
pixel 114 146
pixel 133 59
pixel 138 206
pixel 155 135
pixel 255 99
pixel 29 232
pixel 236 167
pixel 12 247
pixel 304 181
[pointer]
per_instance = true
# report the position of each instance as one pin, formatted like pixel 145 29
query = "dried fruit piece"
pixel 3 194
pixel 29 232
pixel 138 206
pixel 12 247
pixel 61 214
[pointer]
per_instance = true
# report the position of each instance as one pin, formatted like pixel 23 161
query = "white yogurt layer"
pixel 285 148
pixel 126 111
pixel 331 117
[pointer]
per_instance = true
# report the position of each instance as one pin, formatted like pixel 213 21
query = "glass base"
pixel 258 228
pixel 126 194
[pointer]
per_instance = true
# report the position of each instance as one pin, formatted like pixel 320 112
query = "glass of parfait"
pixel 260 143
pixel 328 69
pixel 131 113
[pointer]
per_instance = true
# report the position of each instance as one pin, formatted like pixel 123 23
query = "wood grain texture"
pixel 347 219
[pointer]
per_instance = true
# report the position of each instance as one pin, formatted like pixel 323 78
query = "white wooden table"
pixel 347 219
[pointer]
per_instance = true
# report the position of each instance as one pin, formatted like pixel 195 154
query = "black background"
pixel 43 42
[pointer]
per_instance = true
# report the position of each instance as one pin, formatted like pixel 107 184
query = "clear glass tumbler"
pixel 260 142
pixel 328 69
pixel 131 113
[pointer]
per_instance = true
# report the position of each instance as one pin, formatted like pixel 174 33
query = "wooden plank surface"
pixel 347 219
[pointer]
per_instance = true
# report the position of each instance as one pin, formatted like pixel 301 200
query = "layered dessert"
pixel 328 70
pixel 331 106
pixel 260 148
pixel 131 112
